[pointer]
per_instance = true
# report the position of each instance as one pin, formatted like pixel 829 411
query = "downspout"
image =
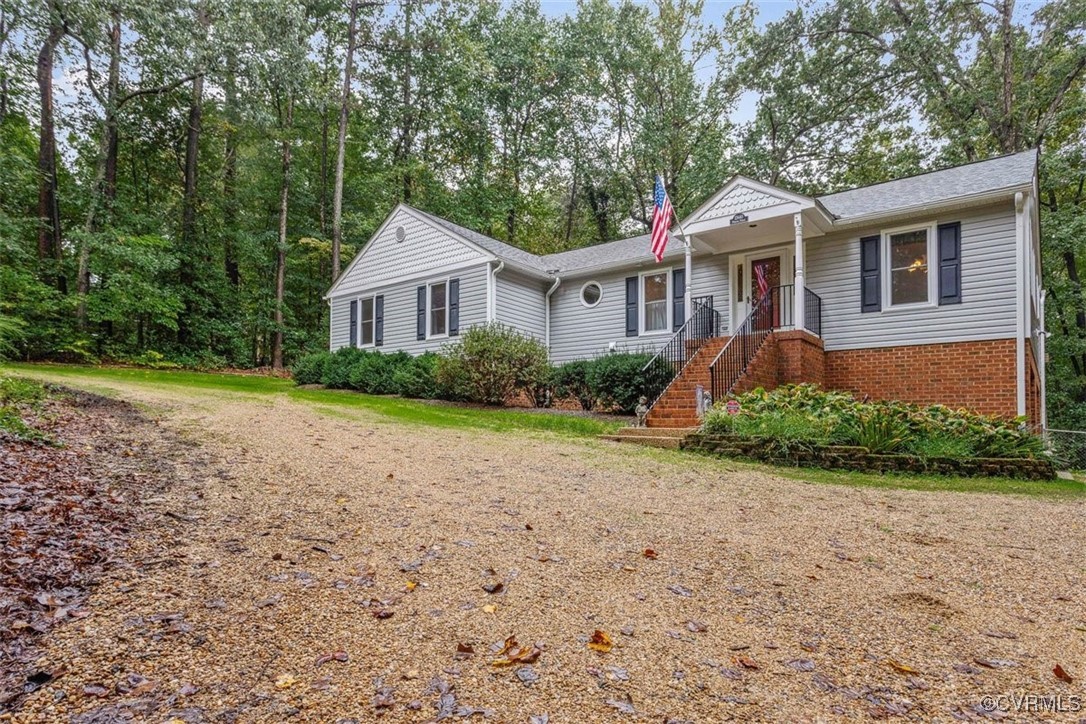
pixel 547 312
pixel 494 291
pixel 1020 294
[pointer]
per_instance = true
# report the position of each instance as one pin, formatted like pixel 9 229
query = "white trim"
pixel 372 298
pixel 744 259
pixel 490 293
pixel 429 299
pixel 492 290
pixel 580 294
pixel 641 331
pixel 888 277
pixel 547 312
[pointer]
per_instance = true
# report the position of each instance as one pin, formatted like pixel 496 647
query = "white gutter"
pixel 493 301
pixel 547 312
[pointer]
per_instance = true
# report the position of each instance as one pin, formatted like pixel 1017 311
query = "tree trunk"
pixel 105 186
pixel 50 249
pixel 3 67
pixel 188 207
pixel 229 177
pixel 341 143
pixel 281 246
pixel 406 124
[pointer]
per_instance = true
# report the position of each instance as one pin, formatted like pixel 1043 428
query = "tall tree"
pixel 341 138
pixel 50 244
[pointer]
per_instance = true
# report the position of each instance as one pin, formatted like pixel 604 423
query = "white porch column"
pixel 799 290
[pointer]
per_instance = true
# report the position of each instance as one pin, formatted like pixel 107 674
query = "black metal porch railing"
pixel 732 362
pixel 669 361
pixel 812 312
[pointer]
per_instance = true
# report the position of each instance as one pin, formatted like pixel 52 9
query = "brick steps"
pixel 676 408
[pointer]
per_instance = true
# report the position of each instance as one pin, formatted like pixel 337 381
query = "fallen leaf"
pixel 650 554
pixel 382 613
pixel 512 653
pixel 995 663
pixel 494 587
pixel 696 626
pixel 1062 675
pixel 489 608
pixel 680 590
pixel 95 690
pixel 801 664
pixel 411 586
pixel 1001 634
pixel 623 704
pixel 285 681
pixel 527 675
pixel 746 662
pixel 901 668
pixel 464 651
pixel 187 690
pixel 601 642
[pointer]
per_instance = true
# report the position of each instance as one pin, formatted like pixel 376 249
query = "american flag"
pixel 661 219
pixel 763 283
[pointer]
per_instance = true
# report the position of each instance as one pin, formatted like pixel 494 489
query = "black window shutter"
pixel 631 306
pixel 950 263
pixel 420 313
pixel 870 276
pixel 454 307
pixel 354 322
pixel 678 298
pixel 379 320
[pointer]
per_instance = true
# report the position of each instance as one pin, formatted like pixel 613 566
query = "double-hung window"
pixel 366 321
pixel 439 309
pixel 908 257
pixel 654 304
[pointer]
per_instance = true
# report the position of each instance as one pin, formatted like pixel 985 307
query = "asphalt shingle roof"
pixel 935 186
pixel 1002 172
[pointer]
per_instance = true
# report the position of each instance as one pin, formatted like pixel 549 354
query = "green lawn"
pixel 401 410
pixel 343 403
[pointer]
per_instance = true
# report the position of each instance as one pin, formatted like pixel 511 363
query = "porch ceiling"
pixel 763 230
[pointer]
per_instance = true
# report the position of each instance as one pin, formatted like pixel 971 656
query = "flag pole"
pixel 688 305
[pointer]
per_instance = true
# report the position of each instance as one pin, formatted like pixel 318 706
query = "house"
pixel 924 289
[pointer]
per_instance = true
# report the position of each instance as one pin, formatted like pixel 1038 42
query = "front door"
pixel 755 276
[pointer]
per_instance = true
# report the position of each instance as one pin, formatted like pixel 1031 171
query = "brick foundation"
pixel 979 376
pixel 1033 388
pixel 800 358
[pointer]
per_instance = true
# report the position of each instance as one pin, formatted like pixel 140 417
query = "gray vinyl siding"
pixel 520 303
pixel 426 249
pixel 579 332
pixel 400 308
pixel 339 323
pixel 987 310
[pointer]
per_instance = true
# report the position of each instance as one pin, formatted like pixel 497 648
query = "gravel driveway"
pixel 329 565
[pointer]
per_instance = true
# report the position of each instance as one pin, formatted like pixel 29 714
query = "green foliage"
pixel 571 380
pixel 616 380
pixel 336 371
pixel 491 363
pixel 415 378
pixel 374 372
pixel 805 413
pixel 17 398
pixel 12 330
pixel 309 370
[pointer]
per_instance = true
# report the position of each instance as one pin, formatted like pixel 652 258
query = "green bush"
pixel 415 378
pixel 309 369
pixel 373 372
pixel 15 391
pixel 929 431
pixel 571 380
pixel 15 396
pixel 490 363
pixel 336 372
pixel 616 381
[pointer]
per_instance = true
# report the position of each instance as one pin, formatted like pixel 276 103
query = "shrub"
pixel 881 427
pixel 616 380
pixel 337 368
pixel 415 378
pixel 309 369
pixel 571 380
pixel 373 372
pixel 490 363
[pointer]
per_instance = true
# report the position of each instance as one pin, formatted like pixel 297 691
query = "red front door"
pixel 765 276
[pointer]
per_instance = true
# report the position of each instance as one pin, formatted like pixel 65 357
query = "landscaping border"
pixel 842 457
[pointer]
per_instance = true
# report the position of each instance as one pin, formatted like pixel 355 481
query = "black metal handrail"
pixel 733 360
pixel 812 312
pixel 668 363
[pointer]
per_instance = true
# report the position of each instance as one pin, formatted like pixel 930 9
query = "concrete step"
pixel 656 431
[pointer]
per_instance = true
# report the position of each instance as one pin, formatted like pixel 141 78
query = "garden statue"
pixel 642 410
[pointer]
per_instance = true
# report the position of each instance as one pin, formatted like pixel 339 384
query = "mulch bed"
pixel 69 512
